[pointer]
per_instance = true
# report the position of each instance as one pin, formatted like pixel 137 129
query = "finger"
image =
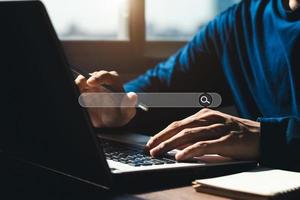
pixel 184 146
pixel 128 105
pixel 190 135
pixel 114 73
pixel 105 78
pixel 95 118
pixel 119 115
pixel 129 100
pixel 81 83
pixel 173 129
pixel 198 149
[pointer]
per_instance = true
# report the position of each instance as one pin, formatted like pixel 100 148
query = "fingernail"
pixel 91 79
pixel 179 156
pixel 154 152
pixel 151 154
pixel 146 148
pixel 148 145
pixel 149 142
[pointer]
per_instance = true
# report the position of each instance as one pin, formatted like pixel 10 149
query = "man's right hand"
pixel 108 117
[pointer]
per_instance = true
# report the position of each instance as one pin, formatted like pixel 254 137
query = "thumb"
pixel 129 100
pixel 128 106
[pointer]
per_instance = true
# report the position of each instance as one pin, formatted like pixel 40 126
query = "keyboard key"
pixel 135 164
pixel 168 161
pixel 131 156
pixel 147 163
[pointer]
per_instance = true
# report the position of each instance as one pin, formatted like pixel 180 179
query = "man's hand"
pixel 209 132
pixel 108 117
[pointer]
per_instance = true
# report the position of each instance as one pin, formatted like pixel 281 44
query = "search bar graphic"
pixel 153 100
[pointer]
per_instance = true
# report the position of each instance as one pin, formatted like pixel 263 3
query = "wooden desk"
pixel 183 193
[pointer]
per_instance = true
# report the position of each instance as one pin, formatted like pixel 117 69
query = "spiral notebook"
pixel 256 184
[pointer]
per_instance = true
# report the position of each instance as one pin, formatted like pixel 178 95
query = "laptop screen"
pixel 43 122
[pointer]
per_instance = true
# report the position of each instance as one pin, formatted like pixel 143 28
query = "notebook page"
pixel 265 182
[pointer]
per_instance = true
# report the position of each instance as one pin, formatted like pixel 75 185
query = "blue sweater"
pixel 255 47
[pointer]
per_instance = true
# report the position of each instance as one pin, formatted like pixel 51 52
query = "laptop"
pixel 44 125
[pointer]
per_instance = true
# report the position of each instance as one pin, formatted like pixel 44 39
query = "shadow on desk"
pixel 22 181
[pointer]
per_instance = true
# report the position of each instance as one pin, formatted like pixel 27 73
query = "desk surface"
pixel 183 193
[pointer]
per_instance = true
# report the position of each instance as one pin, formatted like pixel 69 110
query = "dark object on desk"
pixel 44 124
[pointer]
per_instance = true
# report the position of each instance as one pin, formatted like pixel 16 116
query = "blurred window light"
pixel 89 19
pixel 180 19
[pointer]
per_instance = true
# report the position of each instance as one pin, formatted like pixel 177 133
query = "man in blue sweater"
pixel 254 47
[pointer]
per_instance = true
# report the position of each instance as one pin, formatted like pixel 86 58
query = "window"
pixel 165 20
pixel 180 19
pixel 127 34
pixel 89 19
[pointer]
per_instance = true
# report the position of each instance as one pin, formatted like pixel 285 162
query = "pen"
pixel 87 75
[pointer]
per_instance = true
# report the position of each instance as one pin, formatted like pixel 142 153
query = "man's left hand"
pixel 209 132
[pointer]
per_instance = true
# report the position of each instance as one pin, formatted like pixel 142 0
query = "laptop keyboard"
pixel 131 156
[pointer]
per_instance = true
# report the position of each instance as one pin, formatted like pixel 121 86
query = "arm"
pixel 189 70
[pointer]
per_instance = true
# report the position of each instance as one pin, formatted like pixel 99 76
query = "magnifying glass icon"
pixel 205 100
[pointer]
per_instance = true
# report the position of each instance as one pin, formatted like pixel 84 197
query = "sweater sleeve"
pixel 192 67
pixel 280 142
